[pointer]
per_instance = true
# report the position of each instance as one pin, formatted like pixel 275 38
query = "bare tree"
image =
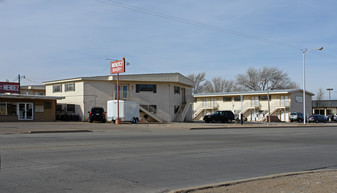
pixel 320 94
pixel 266 78
pixel 218 84
pixel 198 80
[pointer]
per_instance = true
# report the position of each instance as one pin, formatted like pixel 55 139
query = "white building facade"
pixel 163 97
pixel 254 105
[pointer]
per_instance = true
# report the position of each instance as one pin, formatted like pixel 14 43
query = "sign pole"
pixel 117 67
pixel 118 121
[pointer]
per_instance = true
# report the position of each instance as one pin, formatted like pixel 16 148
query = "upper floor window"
pixel 57 88
pixel 146 87
pixel 176 90
pixel 227 99
pixel 237 98
pixel 123 93
pixel 264 98
pixel 70 87
pixel 299 99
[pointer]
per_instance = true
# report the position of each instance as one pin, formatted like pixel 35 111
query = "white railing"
pixel 203 106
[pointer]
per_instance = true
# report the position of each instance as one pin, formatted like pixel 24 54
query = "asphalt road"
pixel 158 160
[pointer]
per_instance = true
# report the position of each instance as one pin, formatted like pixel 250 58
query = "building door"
pixel 25 111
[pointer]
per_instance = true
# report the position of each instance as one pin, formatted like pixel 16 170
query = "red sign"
pixel 11 87
pixel 117 66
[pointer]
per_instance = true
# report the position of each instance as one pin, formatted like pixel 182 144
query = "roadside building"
pixel 33 90
pixel 163 97
pixel 254 104
pixel 17 107
pixel 324 107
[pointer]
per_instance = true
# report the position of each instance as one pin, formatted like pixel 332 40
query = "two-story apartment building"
pixel 253 105
pixel 163 97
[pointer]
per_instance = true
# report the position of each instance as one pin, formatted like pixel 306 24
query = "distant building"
pixel 253 105
pixel 33 90
pixel 324 107
pixel 163 97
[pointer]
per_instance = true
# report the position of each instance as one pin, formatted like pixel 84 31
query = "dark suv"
pixel 296 117
pixel 220 116
pixel 97 114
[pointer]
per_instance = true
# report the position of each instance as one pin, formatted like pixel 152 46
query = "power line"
pixel 196 23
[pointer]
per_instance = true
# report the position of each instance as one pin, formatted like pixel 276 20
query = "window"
pixel 227 99
pixel 237 98
pixel 3 108
pixel 41 93
pixel 70 87
pixel 299 99
pixel 57 88
pixel 125 91
pixel 71 108
pixel 146 87
pixel 176 90
pixel 7 108
pixel 11 109
pixel 265 98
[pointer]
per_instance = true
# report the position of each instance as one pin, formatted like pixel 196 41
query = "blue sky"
pixel 51 40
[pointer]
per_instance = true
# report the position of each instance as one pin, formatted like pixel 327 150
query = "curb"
pixel 57 131
pixel 260 126
pixel 235 182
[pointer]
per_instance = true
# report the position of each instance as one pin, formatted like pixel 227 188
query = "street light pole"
pixel 329 89
pixel 304 52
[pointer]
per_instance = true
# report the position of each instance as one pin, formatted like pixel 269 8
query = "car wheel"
pixel 103 121
pixel 207 121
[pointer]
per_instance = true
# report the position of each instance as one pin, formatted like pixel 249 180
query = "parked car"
pixel 296 117
pixel 332 117
pixel 97 114
pixel 317 118
pixel 220 116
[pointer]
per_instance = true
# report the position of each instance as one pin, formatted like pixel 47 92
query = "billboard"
pixel 9 87
pixel 117 66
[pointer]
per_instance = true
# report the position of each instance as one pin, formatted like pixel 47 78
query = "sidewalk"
pixel 308 182
pixel 33 127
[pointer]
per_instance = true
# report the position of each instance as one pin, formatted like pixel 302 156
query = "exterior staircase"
pixel 182 111
pixel 150 114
